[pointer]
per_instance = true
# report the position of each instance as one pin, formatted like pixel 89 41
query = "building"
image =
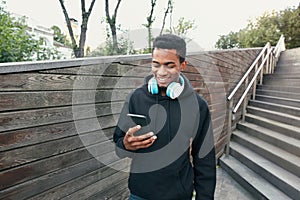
pixel 47 35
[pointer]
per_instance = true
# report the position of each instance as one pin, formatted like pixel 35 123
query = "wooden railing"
pixel 264 63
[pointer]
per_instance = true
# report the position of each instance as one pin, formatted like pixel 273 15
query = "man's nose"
pixel 162 70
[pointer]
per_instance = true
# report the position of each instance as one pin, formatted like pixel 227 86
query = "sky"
pixel 212 17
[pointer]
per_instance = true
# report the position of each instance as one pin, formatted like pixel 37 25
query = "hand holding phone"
pixel 133 142
pixel 140 120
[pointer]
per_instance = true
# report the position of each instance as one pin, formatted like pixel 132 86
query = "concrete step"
pixel 276 116
pixel 282 128
pixel 279 88
pixel 285 142
pixel 290 68
pixel 278 156
pixel 290 95
pixel 288 61
pixel 285 82
pixel 279 100
pixel 283 75
pixel 251 181
pixel 276 107
pixel 282 179
pixel 291 52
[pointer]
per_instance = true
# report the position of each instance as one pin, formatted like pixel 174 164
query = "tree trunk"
pixel 111 20
pixel 78 49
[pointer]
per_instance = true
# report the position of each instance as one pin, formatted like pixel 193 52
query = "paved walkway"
pixel 228 189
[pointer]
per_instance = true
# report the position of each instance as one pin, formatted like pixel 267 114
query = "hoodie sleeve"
pixel 203 152
pixel 123 125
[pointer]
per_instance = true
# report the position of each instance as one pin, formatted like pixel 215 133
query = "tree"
pixel 289 25
pixel 78 48
pixel 167 11
pixel 266 28
pixel 17 44
pixel 150 21
pixel 125 46
pixel 60 37
pixel 182 28
pixel 229 41
pixel 112 20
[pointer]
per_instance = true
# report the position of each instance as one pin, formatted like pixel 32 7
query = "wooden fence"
pixel 51 114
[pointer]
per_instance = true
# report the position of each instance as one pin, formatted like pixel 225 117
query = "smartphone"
pixel 138 119
pixel 142 121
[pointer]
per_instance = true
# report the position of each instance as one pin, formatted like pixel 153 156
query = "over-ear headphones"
pixel 174 89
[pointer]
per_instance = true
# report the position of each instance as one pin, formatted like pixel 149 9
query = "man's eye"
pixel 171 66
pixel 155 65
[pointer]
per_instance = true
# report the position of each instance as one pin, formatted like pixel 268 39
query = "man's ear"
pixel 182 65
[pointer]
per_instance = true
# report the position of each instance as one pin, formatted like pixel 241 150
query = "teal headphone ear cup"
pixel 152 86
pixel 174 89
pixel 171 90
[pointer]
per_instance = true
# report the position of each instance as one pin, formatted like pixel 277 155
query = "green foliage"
pixel 125 46
pixel 60 37
pixel 228 42
pixel 182 28
pixel 289 25
pixel 46 53
pixel 266 28
pixel 16 43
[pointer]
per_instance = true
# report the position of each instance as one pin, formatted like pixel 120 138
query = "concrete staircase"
pixel 265 149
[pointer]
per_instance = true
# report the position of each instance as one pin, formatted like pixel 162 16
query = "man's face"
pixel 166 67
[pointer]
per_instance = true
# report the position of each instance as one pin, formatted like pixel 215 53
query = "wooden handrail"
pixel 269 56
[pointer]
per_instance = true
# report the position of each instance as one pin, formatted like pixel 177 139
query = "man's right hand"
pixel 132 142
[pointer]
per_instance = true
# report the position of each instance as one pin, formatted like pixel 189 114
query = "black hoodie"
pixel 164 171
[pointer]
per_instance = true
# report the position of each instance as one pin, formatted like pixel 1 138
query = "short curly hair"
pixel 170 41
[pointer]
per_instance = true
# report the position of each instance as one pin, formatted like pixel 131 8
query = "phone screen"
pixel 138 119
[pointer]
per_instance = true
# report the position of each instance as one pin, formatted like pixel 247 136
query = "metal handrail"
pixel 269 56
pixel 247 73
pixel 251 82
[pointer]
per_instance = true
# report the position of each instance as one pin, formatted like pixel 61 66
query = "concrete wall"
pixel 57 119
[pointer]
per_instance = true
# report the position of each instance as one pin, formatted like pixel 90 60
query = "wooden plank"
pixel 108 69
pixel 18 67
pixel 118 190
pixel 45 183
pixel 30 136
pixel 122 195
pixel 39 117
pixel 48 82
pixel 33 170
pixel 101 185
pixel 65 181
pixel 79 183
pixel 81 127
pixel 12 101
pixel 20 156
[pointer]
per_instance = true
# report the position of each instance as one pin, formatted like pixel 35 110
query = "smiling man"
pixel 162 168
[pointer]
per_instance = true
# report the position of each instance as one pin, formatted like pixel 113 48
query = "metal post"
pixel 268 63
pixel 255 83
pixel 261 76
pixel 245 101
pixel 229 126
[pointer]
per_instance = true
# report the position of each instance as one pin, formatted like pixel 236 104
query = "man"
pixel 174 155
